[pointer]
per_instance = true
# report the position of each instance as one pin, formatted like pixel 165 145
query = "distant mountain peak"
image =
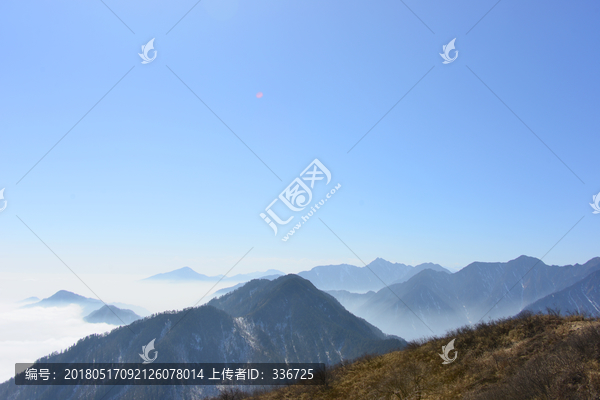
pixel 111 315
pixel 380 260
pixel 185 269
pixel 526 258
pixel 66 295
pixel 182 274
pixel 188 274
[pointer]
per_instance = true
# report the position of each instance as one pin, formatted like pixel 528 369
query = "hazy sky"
pixel 151 180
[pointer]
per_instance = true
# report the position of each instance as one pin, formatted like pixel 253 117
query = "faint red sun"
pixel 259 95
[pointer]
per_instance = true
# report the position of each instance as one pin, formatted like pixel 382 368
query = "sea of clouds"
pixel 27 334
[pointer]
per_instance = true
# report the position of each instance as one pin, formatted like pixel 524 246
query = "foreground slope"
pixel 529 357
pixel 287 319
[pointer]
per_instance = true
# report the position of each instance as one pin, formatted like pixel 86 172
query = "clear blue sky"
pixel 150 180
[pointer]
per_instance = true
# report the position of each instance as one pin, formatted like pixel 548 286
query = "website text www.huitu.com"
pixel 310 213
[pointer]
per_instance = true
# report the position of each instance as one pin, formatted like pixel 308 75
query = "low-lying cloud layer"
pixel 27 334
pixel 30 333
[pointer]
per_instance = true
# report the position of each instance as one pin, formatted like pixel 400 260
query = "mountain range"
pixel 374 276
pixel 428 299
pixel 288 318
pixel 432 302
pixel 326 277
pixel 284 320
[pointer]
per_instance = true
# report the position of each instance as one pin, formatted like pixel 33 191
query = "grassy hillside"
pixel 527 357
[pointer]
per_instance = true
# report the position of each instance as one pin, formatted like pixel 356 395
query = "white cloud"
pixel 30 333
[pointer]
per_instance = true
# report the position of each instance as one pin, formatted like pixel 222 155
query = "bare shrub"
pixel 324 376
pixel 409 383
pixel 555 312
pixel 230 393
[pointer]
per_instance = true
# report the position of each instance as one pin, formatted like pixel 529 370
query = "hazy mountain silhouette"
pixel 183 274
pixel 351 301
pixel 268 274
pixel 28 300
pixel 187 274
pixel 64 298
pixel 444 301
pixel 418 268
pixel 327 277
pixel 287 319
pixel 117 316
pixel 363 279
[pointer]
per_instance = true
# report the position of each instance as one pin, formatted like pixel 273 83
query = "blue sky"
pixel 150 180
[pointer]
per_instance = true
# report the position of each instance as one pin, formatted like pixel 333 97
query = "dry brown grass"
pixel 528 357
